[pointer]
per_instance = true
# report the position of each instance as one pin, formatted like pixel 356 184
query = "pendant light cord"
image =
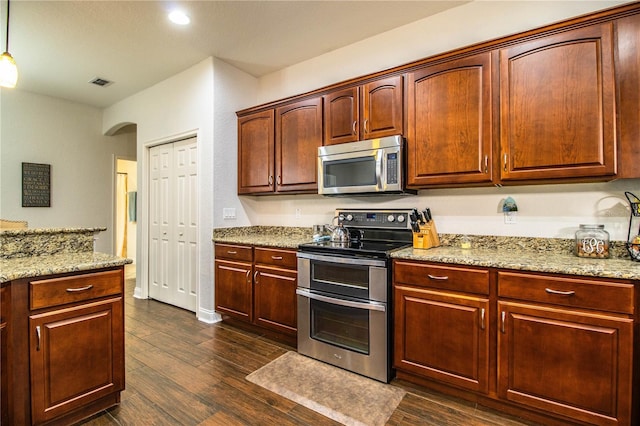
pixel 7 39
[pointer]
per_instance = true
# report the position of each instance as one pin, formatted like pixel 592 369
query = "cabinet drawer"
pixel 75 288
pixel 577 293
pixel 234 252
pixel 442 277
pixel 276 257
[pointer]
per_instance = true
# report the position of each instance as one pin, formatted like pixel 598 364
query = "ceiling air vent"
pixel 102 82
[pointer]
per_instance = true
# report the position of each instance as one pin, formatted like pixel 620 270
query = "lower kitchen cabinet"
pixel 4 375
pixel 552 348
pixel 565 346
pixel 66 347
pixel 257 285
pixel 442 334
pixel 233 285
pixel 275 281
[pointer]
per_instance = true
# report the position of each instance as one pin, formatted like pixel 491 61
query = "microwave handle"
pixel 380 169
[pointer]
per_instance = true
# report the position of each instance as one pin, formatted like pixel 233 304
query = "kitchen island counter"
pixel 36 266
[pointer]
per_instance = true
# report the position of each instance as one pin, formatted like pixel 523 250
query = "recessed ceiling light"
pixel 179 17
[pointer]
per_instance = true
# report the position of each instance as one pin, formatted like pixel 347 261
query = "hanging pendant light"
pixel 8 67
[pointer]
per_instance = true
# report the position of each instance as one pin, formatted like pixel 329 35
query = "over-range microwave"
pixel 369 167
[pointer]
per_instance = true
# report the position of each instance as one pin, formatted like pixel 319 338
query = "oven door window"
pixel 341 326
pixel 359 171
pixel 347 280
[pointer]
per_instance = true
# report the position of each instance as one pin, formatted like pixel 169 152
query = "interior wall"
pixel 41 129
pixel 175 108
pixel 544 210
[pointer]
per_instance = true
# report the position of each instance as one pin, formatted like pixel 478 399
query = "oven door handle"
pixel 370 306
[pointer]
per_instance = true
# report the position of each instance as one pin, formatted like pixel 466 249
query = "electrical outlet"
pixel 229 213
pixel 510 218
pixel 298 213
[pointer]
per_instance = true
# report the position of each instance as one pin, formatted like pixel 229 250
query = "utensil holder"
pixel 633 244
pixel 427 237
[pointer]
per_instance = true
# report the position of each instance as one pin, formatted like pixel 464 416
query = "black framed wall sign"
pixel 36 185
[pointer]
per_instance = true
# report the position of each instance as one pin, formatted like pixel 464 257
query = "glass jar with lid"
pixel 592 241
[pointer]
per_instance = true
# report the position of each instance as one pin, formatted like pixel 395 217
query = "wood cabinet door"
pixel 442 336
pixel 275 299
pixel 628 83
pixel 234 289
pixel 256 153
pixel 382 108
pixel 76 357
pixel 341 116
pixel 569 363
pixel 298 136
pixel 449 122
pixel 557 106
pixel 4 373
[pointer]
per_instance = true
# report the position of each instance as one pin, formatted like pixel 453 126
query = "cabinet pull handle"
pixel 354 127
pixel 486 164
pixel 270 180
pixel 482 318
pixel 38 336
pixel 276 257
pixel 560 292
pixel 248 276
pixel 279 180
pixel 232 252
pixel 503 315
pixel 366 127
pixel 77 289
pixel 255 277
pixel 435 277
pixel 505 162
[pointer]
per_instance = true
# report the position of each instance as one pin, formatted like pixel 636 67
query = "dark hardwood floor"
pixel 183 372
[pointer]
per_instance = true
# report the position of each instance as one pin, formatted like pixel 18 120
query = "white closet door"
pixel 185 206
pixel 173 217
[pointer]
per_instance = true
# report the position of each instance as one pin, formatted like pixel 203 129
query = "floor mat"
pixel 343 396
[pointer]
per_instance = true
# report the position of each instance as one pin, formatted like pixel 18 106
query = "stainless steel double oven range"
pixel 344 292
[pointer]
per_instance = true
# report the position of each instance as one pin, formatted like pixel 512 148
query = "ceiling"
pixel 60 46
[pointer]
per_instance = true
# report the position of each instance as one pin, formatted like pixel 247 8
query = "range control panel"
pixel 388 218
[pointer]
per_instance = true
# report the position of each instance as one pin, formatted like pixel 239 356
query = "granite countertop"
pixel 523 260
pixel 268 236
pixel 35 266
pixel 550 255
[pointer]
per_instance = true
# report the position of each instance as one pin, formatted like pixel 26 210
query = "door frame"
pixel 114 205
pixel 142 269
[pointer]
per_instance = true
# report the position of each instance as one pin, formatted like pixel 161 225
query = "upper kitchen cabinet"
pixel 278 149
pixel 298 136
pixel 372 110
pixel 557 106
pixel 256 153
pixel 628 85
pixel 449 122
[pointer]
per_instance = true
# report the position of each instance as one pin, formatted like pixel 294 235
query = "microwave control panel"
pixel 392 168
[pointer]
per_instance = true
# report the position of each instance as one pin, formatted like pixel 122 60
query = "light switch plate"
pixel 228 213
